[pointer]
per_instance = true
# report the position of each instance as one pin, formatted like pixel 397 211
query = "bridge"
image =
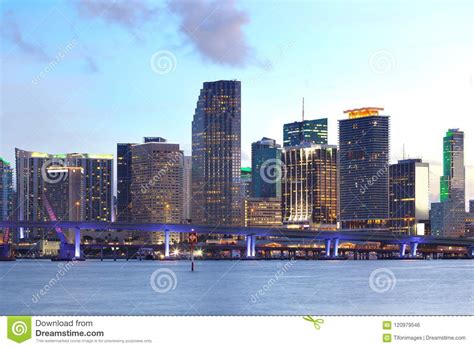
pixel 331 238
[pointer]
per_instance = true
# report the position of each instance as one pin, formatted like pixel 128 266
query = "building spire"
pixel 302 111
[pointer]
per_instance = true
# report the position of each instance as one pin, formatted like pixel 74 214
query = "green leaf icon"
pixel 19 329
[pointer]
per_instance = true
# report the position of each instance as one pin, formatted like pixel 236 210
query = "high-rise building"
pixel 471 205
pixel 98 187
pixel 33 172
pixel 246 182
pixel 364 148
pixel 216 152
pixel 6 190
pixel 452 187
pixel 157 178
pixel 263 212
pixel 409 196
pixel 187 188
pixel 311 131
pixel 437 213
pixel 65 196
pixel 124 181
pixel 266 169
pixel 309 186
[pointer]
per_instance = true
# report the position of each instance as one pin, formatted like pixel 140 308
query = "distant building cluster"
pixel 304 184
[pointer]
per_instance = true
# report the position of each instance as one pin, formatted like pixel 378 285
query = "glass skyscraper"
pixel 216 155
pixel 311 131
pixel 309 186
pixel 6 190
pixel 364 169
pixel 452 188
pixel 266 169
pixel 124 181
pixel 409 196
pixel 33 175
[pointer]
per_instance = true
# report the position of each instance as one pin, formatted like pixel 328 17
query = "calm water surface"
pixel 237 287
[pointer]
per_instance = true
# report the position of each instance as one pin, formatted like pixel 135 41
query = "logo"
pixel 317 322
pixel 19 329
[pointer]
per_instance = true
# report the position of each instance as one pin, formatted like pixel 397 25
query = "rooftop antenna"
pixel 302 112
pixel 302 124
pixel 403 151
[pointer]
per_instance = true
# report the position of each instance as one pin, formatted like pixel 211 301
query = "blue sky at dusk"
pixel 80 76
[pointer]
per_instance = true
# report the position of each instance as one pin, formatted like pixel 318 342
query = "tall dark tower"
pixel 364 169
pixel 216 158
pixel 124 181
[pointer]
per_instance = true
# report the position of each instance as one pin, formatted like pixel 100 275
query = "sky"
pixel 82 76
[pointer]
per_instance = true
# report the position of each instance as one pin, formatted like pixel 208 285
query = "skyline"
pixel 427 74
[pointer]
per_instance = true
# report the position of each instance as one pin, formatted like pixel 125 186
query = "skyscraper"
pixel 6 190
pixel 124 181
pixel 452 187
pixel 309 186
pixel 364 169
pixel 187 188
pixel 98 176
pixel 266 169
pixel 216 152
pixel 157 178
pixel 33 173
pixel 409 196
pixel 312 131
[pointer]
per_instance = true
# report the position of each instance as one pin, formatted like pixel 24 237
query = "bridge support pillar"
pixel 328 248
pixel 250 243
pixel 167 243
pixel 254 242
pixel 413 247
pixel 77 242
pixel 403 249
pixel 335 251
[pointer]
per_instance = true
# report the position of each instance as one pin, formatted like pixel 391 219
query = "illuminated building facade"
pixel 309 186
pixel 364 169
pixel 33 172
pixel 98 187
pixel 263 212
pixel 452 188
pixel 124 181
pixel 216 155
pixel 6 190
pixel 157 191
pixel 65 195
pixel 409 197
pixel 311 131
pixel 266 169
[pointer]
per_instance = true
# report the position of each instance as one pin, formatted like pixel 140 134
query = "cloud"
pixel 215 29
pixel 129 14
pixel 10 30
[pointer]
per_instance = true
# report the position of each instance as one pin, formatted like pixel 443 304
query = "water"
pixel 397 287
